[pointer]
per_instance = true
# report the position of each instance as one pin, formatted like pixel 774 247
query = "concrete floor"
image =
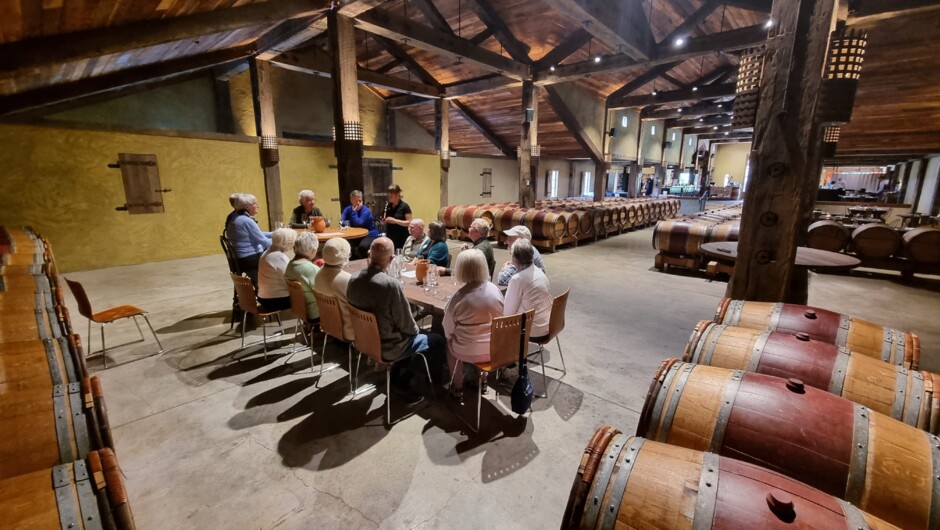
pixel 205 442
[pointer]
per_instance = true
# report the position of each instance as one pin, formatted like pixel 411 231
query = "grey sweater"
pixel 376 292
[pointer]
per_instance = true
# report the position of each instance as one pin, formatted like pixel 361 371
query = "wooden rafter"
pixel 703 108
pixel 570 120
pixel 433 15
pixel 480 85
pixel 404 101
pixel 692 22
pixel 481 126
pixel 703 121
pixel 674 96
pixel 630 31
pixel 399 54
pixel 54 49
pixel 559 53
pixel 517 49
pixel 641 80
pixel 287 35
pixel 709 130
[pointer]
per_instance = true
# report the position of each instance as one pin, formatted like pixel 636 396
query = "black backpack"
pixel 522 391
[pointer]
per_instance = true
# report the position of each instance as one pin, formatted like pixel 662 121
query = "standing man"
pixel 706 191
pixel 375 291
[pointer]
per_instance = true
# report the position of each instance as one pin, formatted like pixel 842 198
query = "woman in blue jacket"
pixel 435 248
pixel 359 215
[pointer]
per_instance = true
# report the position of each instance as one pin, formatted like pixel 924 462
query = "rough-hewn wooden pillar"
pixel 442 143
pixel 786 157
pixel 600 180
pixel 346 125
pixel 266 129
pixel 527 140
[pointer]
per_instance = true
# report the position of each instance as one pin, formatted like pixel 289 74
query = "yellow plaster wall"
pixel 419 178
pixel 731 159
pixel 309 168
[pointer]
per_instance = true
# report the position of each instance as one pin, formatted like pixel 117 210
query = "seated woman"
pixel 468 316
pixel 358 215
pixel 245 236
pixel 302 269
pixel 416 238
pixel 303 214
pixel 333 280
pixel 435 248
pixel 528 289
pixel 272 287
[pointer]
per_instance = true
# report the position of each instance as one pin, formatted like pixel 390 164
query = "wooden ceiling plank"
pixel 674 96
pixel 641 80
pixel 568 46
pixel 568 117
pixel 480 126
pixel 517 49
pixel 433 15
pixel 430 39
pixel 54 49
pixel 735 39
pixel 384 69
pixel 131 77
pixel 632 33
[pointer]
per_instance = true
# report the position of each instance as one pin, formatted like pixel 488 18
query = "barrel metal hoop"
pixel 630 454
pixel 660 401
pixel 61 482
pixel 601 480
pixel 735 308
pixel 67 357
pixel 900 388
pixel 727 402
pixel 859 462
pixel 775 316
pixel 666 424
pixel 55 373
pixel 912 414
pixel 40 321
pixel 707 493
pixel 714 333
pixel 60 408
pixel 935 481
pixel 700 343
pixel 79 423
pixel 887 342
pixel 87 501
pixel 759 346
pixel 853 517
pixel 839 370
pixel 842 337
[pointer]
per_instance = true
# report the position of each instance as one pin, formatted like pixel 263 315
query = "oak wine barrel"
pixel 502 219
pixel 680 238
pixel 446 216
pixel 463 217
pixel 879 464
pixel 828 235
pixel 922 245
pixel 894 346
pixel 875 240
pixel 631 215
pixel 545 225
pixel 909 396
pixel 628 482
pixel 36 364
pixel 727 231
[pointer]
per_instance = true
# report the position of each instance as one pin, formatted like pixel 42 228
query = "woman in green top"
pixel 303 270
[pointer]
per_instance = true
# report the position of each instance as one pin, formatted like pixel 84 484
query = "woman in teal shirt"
pixel 435 248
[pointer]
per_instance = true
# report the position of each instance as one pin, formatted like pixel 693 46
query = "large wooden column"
pixel 346 125
pixel 786 157
pixel 267 131
pixel 528 146
pixel 442 143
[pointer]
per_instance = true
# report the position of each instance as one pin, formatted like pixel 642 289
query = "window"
pixel 551 183
pixel 624 120
pixel 487 175
pixel 587 183
pixel 653 130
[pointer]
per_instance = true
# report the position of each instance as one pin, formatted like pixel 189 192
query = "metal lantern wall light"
pixel 269 152
pixel 747 89
pixel 840 75
pixel 830 140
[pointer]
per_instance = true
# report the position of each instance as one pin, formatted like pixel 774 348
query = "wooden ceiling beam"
pixel 430 39
pixel 559 53
pixel 517 49
pixel 433 15
pixel 571 122
pixel 735 39
pixel 631 34
pixel 731 136
pixel 754 5
pixel 66 47
pixel 287 35
pixel 480 126
pixel 689 24
pixel 42 98
pixel 712 130
pixel 404 101
pixel 400 54
pixel 479 86
pixel 482 36
pixel 674 96
pixel 384 69
pixel 703 121
pixel 642 79
pixel 673 80
pixel 703 108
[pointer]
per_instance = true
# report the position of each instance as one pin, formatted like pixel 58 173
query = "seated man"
pixel 416 238
pixel 479 233
pixel 303 214
pixel 509 269
pixel 375 291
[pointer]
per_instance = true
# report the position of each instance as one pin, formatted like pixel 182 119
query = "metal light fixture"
pixel 746 92
pixel 840 76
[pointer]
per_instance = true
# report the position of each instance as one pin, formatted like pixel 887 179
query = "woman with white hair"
pixel 303 214
pixel 245 236
pixel 415 240
pixel 468 316
pixel 528 289
pixel 272 287
pixel 303 269
pixel 333 280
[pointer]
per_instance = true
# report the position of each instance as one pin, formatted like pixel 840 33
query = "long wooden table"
pixel 432 301
pixel 348 233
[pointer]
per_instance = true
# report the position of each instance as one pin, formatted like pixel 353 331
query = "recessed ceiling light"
pixel 769 24
pixel 695 89
pixel 719 105
pixel 679 41
pixel 715 128
pixel 701 119
pixel 679 111
pixel 551 68
pixel 597 59
pixel 654 93
pixel 726 134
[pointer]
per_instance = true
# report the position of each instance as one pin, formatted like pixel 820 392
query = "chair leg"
pixel 564 369
pixel 244 316
pixel 104 350
pixel 264 337
pixel 147 320
pixel 427 369
pixel 317 384
pixel 480 398
pixel 352 389
pixel 388 397
pixel 544 378
pixel 279 324
pixel 141 333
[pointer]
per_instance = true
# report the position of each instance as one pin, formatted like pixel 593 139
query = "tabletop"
pixel 349 233
pixel 805 257
pixel 431 299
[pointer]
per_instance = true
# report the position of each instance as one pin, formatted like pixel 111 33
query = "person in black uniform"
pixel 397 216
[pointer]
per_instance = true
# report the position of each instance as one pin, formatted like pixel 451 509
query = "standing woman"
pixel 397 216
pixel 273 294
pixel 243 232
pixel 358 215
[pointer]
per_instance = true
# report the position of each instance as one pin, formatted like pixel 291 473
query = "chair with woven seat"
pixel 331 324
pixel 248 304
pixel 108 316
pixel 556 324
pixel 369 342
pixel 505 349
pixel 233 268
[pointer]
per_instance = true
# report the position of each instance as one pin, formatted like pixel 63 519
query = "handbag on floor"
pixel 522 391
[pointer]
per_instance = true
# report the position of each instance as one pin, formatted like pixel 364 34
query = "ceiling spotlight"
pixel 726 133
pixel 769 24
pixel 679 41
pixel 679 110
pixel 551 68
pixel 701 119
pixel 654 93
pixel 715 128
pixel 695 89
pixel 597 59
pixel 719 105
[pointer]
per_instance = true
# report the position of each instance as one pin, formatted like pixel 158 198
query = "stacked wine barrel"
pixel 880 246
pixel 58 467
pixel 679 240
pixel 780 416
pixel 559 222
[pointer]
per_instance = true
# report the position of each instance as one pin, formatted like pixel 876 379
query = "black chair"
pixel 234 269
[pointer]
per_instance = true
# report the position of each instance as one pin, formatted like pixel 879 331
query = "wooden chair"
pixel 556 325
pixel 331 324
pixel 233 268
pixel 108 316
pixel 504 349
pixel 298 306
pixel 369 342
pixel 248 303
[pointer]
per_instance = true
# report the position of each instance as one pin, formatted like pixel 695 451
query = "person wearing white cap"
pixel 508 270
pixel 332 280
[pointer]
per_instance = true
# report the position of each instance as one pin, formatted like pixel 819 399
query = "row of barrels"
pixel 58 467
pixel 877 241
pixel 682 238
pixel 773 422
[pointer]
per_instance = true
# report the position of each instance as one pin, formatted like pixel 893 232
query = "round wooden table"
pixel 330 233
pixel 805 257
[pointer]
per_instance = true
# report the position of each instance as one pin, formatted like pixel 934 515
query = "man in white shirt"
pixel 508 270
pixel 528 289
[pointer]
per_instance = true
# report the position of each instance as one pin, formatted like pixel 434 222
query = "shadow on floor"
pixel 205 320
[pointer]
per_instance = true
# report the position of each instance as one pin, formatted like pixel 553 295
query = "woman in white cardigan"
pixel 272 287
